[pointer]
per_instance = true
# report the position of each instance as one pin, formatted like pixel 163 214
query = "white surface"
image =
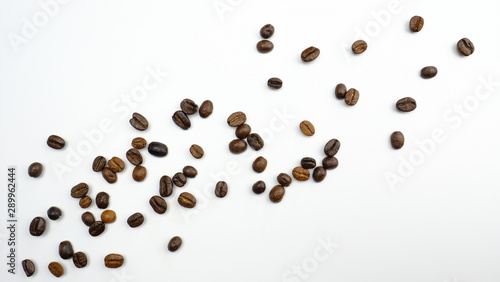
pixel 440 225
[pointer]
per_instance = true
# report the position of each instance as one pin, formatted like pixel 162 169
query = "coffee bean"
pixel 85 202
pixel 54 213
pixel 237 146
pixel 79 190
pixel 275 83
pixel 284 179
pixel 158 149
pixel 139 122
pixel 99 163
pixel 340 91
pixel 189 107
pixel 351 97
pixel 236 119
pixel 397 140
pixel 179 179
pixel 407 104
pixel 310 54
pixel 109 175
pixel 330 162
pixel 243 131
pixel 187 200
pixel 265 46
pixel 56 142
pixel 80 259
pixel 174 244
pixel 300 173
pixel 113 260
pixel 139 173
pixel 116 164
pixel 96 228
pixel 135 220
pixel 189 171
pixel 28 267
pixel 182 120
pixel 206 109
pixel 196 151
pixel 88 218
pixel 259 165
pixel 259 187
pixel 428 72
pixel 134 157
pixel 307 128
pixel 102 200
pixel 465 47
pixel 35 169
pixel 319 174
pixel 332 147
pixel 267 31
pixel 66 250
pixel 166 186
pixel 255 141
pixel 56 269
pixel 359 46
pixel 416 23
pixel 108 216
pixel 158 204
pixel 221 189
pixel 139 143
pixel 308 163
pixel 276 194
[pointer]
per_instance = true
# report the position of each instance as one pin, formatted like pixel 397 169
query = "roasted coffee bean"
pixel 300 173
pixel 351 97
pixel 236 119
pixel 308 163
pixel 56 142
pixel 139 122
pixel 102 200
pixel 284 179
pixel 182 120
pixel 259 165
pixel 243 131
pixel 237 146
pixel 80 259
pixel 259 187
pixel 135 220
pixel 319 174
pixel 158 149
pixel 99 163
pixel 108 216
pixel 116 164
pixel 56 269
pixel 428 72
pixel 179 179
pixel 359 46
pixel 187 200
pixel 206 109
pixel 113 261
pixel 275 83
pixel 166 186
pixel 139 143
pixel 139 173
pixel 54 213
pixel 465 47
pixel 189 171
pixel 267 31
pixel 276 194
pixel 174 244
pixel 330 162
pixel 416 23
pixel 85 202
pixel 407 104
pixel 35 169
pixel 158 204
pixel 134 157
pixel 109 175
pixel 221 189
pixel 265 46
pixel 310 54
pixel 88 218
pixel 28 267
pixel 332 147
pixel 340 91
pixel 307 128
pixel 66 250
pixel 255 141
pixel 189 107
pixel 96 228
pixel 196 151
pixel 79 190
pixel 397 140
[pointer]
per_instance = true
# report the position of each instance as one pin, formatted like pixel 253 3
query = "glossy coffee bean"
pixel 54 213
pixel 108 216
pixel 351 97
pixel 56 269
pixel 275 83
pixel 189 107
pixel 307 128
pixel 359 47
pixel 236 119
pixel 196 151
pixel 79 190
pixel 135 220
pixel 99 163
pixel 277 194
pixel 174 244
pixel 267 31
pixel 35 169
pixel 407 104
pixel 465 47
pixel 310 54
pixel 139 122
pixel 85 202
pixel 301 174
pixel 284 179
pixel 189 171
pixel 158 149
pixel 139 173
pixel 319 174
pixel 206 109
pixel 187 200
pixel 255 141
pixel 56 142
pixel 109 175
pixel 139 143
pixel 308 163
pixel 416 23
pixel 179 179
pixel 88 218
pixel 237 146
pixel 28 267
pixel 158 204
pixel 66 250
pixel 102 200
pixel 182 120
pixel 243 131
pixel 221 189
pixel 134 157
pixel 259 165
pixel 340 91
pixel 116 164
pixel 259 187
pixel 80 260
pixel 330 163
pixel 397 140
pixel 97 228
pixel 113 260
pixel 166 186
pixel 332 147
pixel 428 72
pixel 265 46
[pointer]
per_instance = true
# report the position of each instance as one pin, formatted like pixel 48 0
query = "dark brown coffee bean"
pixel 108 216
pixel 182 120
pixel 340 91
pixel 308 163
pixel 179 179
pixel 54 213
pixel 139 173
pixel 359 47
pixel 116 164
pixel 189 107
pixel 307 128
pixel 187 200
pixel 236 119
pixel 102 200
pixel 255 141
pixel 301 174
pixel 79 190
pixel 113 261
pixel 267 31
pixel 35 169
pixel 319 174
pixel 351 97
pixel 428 72
pixel 56 269
pixel 158 204
pixel 397 140
pixel 158 149
pixel 221 189
pixel 66 250
pixel 265 46
pixel 196 151
pixel 310 54
pixel 80 259
pixel 206 109
pixel 99 163
pixel 189 171
pixel 465 47
pixel 277 194
pixel 174 244
pixel 85 202
pixel 259 187
pixel 275 83
pixel 407 104
pixel 237 146
pixel 28 267
pixel 416 23
pixel 88 218
pixel 139 143
pixel 56 142
pixel 166 186
pixel 96 228
pixel 330 163
pixel 139 122
pixel 135 220
pixel 134 157
pixel 259 165
pixel 332 147
pixel 284 179
pixel 243 131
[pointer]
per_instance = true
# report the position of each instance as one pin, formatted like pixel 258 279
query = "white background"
pixel 440 224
